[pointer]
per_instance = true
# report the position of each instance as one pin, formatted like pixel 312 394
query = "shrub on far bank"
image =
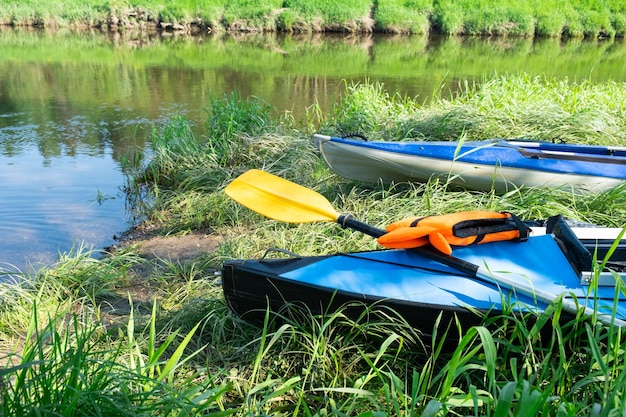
pixel 327 15
pixel 397 16
pixel 251 15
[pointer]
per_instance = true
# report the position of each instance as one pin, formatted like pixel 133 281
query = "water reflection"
pixel 73 106
pixel 51 204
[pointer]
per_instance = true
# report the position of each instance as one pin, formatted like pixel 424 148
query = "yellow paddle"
pixel 279 199
pixel 283 200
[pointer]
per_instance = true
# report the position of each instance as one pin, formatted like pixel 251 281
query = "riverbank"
pixel 145 330
pixel 552 18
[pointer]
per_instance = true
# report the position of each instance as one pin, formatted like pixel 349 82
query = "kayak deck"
pixel 419 288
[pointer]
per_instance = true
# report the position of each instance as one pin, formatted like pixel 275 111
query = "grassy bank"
pixel 181 352
pixel 554 18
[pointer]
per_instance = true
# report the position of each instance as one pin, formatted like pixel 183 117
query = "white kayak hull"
pixel 371 164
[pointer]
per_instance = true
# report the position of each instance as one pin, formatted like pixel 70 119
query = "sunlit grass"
pixel 543 18
pixel 404 16
pixel 500 107
pixel 485 17
pixel 67 366
pixel 553 18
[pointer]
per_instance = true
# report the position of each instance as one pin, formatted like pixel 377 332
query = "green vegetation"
pixel 521 106
pixel 320 15
pixel 399 16
pixel 554 18
pixel 79 341
pixel 72 361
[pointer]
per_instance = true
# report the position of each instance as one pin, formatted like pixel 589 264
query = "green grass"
pixel 329 15
pixel 484 17
pixel 66 352
pixel 535 108
pixel 67 367
pixel 400 16
pixel 552 18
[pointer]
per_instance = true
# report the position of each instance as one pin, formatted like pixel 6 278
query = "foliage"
pixel 543 18
pixel 536 108
pixel 256 14
pixel 188 172
pixel 330 12
pixel 401 16
pixel 554 18
pixel 484 17
pixel 66 368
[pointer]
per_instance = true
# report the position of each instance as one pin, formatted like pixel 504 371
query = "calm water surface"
pixel 73 107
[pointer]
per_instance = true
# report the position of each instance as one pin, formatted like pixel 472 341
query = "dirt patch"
pixel 149 243
pixel 176 248
pixel 158 251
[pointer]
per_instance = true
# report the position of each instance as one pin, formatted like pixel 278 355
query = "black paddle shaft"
pixel 347 221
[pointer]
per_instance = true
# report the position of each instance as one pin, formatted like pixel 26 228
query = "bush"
pixel 399 16
pixel 618 22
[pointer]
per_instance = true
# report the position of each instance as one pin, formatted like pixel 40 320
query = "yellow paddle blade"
pixel 280 199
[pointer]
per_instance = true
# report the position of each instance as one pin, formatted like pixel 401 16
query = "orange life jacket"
pixel 459 229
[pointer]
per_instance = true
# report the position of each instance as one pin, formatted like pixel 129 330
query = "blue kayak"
pixel 497 164
pixel 419 288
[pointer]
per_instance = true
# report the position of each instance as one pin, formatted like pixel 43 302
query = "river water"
pixel 75 106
